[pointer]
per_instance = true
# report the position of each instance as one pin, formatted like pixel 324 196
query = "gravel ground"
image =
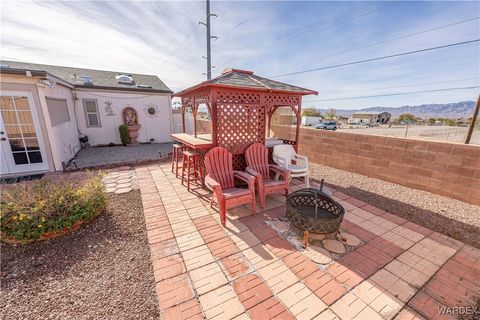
pixel 97 157
pixel 102 271
pixel 455 218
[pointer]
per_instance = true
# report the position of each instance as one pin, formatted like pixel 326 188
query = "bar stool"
pixel 177 152
pixel 191 160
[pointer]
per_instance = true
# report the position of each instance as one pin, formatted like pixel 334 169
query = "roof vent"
pixel 230 70
pixel 124 79
pixel 144 86
pixel 87 80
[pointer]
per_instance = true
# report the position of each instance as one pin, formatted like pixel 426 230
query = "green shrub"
pixel 124 136
pixel 29 209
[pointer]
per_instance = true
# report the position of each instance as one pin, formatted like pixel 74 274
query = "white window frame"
pixel 97 113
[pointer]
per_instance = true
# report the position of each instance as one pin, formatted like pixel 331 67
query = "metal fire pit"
pixel 312 210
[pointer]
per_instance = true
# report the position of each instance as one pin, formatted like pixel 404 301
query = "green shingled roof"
pixel 101 79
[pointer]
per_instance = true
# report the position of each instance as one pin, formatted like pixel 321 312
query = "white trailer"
pixel 311 121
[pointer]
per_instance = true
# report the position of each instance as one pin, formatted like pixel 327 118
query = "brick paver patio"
pixel 396 269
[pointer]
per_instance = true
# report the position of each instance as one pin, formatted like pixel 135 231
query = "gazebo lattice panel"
pixel 238 126
pixel 233 97
pixel 239 162
pixel 275 100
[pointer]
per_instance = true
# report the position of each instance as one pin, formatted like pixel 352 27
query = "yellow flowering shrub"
pixel 30 209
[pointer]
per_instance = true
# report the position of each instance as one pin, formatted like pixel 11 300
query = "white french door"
pixel 21 143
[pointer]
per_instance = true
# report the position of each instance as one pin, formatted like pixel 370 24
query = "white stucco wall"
pixel 61 141
pixel 157 126
pixel 63 137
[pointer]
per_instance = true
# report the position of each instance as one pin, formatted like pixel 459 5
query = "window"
pixel 58 111
pixel 91 112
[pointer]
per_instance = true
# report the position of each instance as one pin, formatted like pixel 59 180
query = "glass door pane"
pixel 20 130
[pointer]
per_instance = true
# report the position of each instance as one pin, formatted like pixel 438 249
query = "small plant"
pixel 32 210
pixel 124 136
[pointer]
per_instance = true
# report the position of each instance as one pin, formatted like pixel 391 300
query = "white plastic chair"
pixel 285 156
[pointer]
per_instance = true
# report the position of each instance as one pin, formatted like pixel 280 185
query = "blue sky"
pixel 269 38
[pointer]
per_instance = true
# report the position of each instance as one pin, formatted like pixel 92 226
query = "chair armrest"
pixel 214 186
pixel 243 176
pixel 256 175
pixel 282 171
pixel 282 161
pixel 302 159
pixel 250 179
pixel 252 172
pixel 299 156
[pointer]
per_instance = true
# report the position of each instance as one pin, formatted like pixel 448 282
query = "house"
pixel 44 110
pixel 370 117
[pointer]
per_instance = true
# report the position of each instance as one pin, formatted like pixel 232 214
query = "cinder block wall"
pixel 203 126
pixel 448 169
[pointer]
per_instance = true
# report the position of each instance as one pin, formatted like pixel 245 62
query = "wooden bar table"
pixel 202 143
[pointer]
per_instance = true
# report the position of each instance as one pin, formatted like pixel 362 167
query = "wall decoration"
pixel 130 118
pixel 108 108
pixel 152 110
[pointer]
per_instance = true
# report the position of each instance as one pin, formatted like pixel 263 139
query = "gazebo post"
pixel 183 115
pixel 213 115
pixel 299 122
pixel 194 113
pixel 269 121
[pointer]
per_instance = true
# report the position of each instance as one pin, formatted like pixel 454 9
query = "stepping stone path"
pixel 318 254
pixel 120 181
pixel 350 240
pixel 334 246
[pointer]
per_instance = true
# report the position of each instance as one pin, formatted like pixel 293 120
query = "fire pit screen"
pixel 312 210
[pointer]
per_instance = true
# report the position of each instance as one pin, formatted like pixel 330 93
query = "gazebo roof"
pixel 243 79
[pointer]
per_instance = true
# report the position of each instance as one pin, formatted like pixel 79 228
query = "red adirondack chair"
pixel 220 179
pixel 258 166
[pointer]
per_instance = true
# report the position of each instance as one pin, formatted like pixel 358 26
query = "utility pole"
pixel 209 49
pixel 209 38
pixel 472 123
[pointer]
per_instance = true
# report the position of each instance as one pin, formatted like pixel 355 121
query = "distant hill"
pixel 446 110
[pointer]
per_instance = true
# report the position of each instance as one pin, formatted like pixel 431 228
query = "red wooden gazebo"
pixel 241 105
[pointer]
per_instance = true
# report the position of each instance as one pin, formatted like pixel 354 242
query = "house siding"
pixel 64 136
pixel 21 83
pixel 157 126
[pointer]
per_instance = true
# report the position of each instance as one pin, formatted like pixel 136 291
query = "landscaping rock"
pixel 101 271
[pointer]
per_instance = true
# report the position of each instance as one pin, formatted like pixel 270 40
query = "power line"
pixel 393 94
pixel 410 85
pixel 401 37
pixel 330 26
pixel 176 50
pixel 275 42
pixel 378 58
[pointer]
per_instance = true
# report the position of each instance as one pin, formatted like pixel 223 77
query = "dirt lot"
pixel 433 133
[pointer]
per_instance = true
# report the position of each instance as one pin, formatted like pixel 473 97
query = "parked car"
pixel 327 126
